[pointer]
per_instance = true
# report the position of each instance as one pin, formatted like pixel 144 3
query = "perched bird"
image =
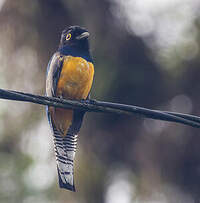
pixel 70 74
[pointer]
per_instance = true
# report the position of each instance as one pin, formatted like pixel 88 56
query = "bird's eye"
pixel 68 36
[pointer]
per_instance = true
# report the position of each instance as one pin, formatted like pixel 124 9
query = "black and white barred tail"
pixel 65 149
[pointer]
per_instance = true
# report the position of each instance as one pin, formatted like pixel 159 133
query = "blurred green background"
pixel 146 53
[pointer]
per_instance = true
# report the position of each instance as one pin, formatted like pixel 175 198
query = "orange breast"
pixel 74 83
pixel 76 78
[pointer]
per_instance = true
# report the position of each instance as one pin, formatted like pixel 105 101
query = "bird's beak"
pixel 83 35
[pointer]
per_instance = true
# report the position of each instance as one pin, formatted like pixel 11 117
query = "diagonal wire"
pixel 101 106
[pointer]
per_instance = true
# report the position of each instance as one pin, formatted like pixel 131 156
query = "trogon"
pixel 70 74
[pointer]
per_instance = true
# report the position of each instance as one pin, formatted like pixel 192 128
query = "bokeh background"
pixel 146 53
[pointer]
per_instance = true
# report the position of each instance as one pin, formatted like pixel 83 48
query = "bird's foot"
pixel 60 96
pixel 89 101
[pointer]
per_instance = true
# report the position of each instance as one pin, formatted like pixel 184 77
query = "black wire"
pixel 101 106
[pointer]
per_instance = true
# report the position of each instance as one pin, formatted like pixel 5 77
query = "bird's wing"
pixel 65 146
pixel 53 73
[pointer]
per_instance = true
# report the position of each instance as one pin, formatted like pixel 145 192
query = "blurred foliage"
pixel 120 159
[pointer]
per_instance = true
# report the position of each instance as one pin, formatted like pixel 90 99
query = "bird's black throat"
pixel 80 49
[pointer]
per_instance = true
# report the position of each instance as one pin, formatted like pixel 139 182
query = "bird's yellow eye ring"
pixel 68 36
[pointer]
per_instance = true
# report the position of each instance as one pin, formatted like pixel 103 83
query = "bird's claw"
pixel 88 101
pixel 92 101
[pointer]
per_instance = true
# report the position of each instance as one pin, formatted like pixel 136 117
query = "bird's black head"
pixel 75 37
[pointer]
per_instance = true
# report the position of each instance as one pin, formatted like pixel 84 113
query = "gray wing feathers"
pixel 53 74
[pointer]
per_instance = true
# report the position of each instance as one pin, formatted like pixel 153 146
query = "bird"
pixel 70 73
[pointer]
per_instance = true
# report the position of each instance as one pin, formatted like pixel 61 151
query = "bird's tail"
pixel 65 148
